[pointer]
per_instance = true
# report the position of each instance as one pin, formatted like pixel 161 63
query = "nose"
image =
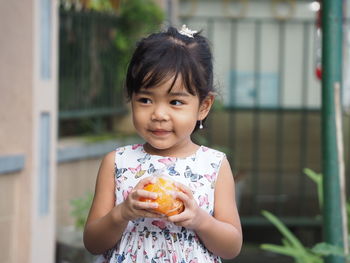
pixel 160 113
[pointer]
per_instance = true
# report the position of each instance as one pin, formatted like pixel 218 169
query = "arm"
pixel 221 234
pixel 104 225
pixel 106 222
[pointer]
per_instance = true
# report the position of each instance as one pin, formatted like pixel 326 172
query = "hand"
pixel 132 208
pixel 192 215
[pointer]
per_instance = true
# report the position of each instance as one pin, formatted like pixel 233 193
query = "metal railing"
pixel 270 123
pixel 89 86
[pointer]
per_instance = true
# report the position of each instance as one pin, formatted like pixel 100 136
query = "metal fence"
pixel 270 124
pixel 89 87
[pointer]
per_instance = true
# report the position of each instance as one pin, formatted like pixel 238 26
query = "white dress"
pixel 151 240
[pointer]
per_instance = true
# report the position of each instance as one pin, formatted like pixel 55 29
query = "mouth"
pixel 160 132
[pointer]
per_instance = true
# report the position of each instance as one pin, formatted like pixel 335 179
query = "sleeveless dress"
pixel 152 240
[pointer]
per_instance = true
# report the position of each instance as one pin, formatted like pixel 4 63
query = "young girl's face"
pixel 165 118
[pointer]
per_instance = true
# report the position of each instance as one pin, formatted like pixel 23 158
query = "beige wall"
pixel 74 180
pixel 16 58
pixel 8 214
pixel 21 102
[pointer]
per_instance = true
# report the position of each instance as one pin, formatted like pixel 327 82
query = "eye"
pixel 176 102
pixel 144 100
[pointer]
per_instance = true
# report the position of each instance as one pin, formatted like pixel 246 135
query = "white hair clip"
pixel 187 32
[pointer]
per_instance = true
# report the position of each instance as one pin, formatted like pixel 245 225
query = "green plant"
pixel 80 209
pixel 97 38
pixel 292 246
pixel 318 180
pixel 101 5
pixel 137 18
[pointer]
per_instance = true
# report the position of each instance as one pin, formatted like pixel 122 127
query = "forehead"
pixel 171 85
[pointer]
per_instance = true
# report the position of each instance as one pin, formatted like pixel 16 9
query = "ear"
pixel 205 106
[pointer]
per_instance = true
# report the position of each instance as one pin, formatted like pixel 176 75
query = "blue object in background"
pixel 250 89
pixel 45 39
pixel 44 163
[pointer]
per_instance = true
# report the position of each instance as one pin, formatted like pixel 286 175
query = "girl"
pixel 170 85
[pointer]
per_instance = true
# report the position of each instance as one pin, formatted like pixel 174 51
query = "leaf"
pixel 294 241
pixel 291 245
pixel 279 249
pixel 318 179
pixel 80 209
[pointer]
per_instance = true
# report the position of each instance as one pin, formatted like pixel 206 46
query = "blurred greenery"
pixel 96 43
pixel 137 18
pixel 120 136
pixel 80 209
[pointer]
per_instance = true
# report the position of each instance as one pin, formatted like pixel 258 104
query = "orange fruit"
pixel 167 204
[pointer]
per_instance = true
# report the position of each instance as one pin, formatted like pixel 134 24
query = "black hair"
pixel 163 55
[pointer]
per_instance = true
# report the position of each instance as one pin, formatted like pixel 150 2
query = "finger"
pixel 182 196
pixel 145 181
pixel 179 219
pixel 140 193
pixel 145 205
pixel 185 189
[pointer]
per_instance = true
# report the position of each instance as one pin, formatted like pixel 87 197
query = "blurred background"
pixel 62 107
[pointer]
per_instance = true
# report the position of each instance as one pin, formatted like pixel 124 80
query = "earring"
pixel 200 124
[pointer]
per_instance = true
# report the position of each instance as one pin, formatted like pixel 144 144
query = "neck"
pixel 182 151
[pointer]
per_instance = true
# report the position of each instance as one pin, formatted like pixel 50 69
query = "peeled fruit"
pixel 167 204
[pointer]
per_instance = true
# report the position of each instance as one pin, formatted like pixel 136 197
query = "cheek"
pixel 188 120
pixel 138 118
pixel 141 118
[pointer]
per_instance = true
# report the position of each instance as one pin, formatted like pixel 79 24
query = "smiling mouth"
pixel 160 132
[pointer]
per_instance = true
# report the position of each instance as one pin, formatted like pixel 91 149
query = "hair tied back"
pixel 187 32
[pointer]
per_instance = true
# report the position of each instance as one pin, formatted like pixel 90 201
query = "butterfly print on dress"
pixel 142 160
pixel 172 171
pixel 154 239
pixel 120 172
pixel 137 171
pixel 194 177
pixel 135 146
pixel 168 161
pixel 153 171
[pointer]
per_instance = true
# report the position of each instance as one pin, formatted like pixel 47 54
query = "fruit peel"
pixel 167 204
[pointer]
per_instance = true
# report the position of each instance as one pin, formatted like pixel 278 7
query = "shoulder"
pixel 225 167
pixel 108 162
pixel 109 157
pixel 211 156
pixel 127 149
pixel 225 177
pixel 212 152
pixel 126 155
